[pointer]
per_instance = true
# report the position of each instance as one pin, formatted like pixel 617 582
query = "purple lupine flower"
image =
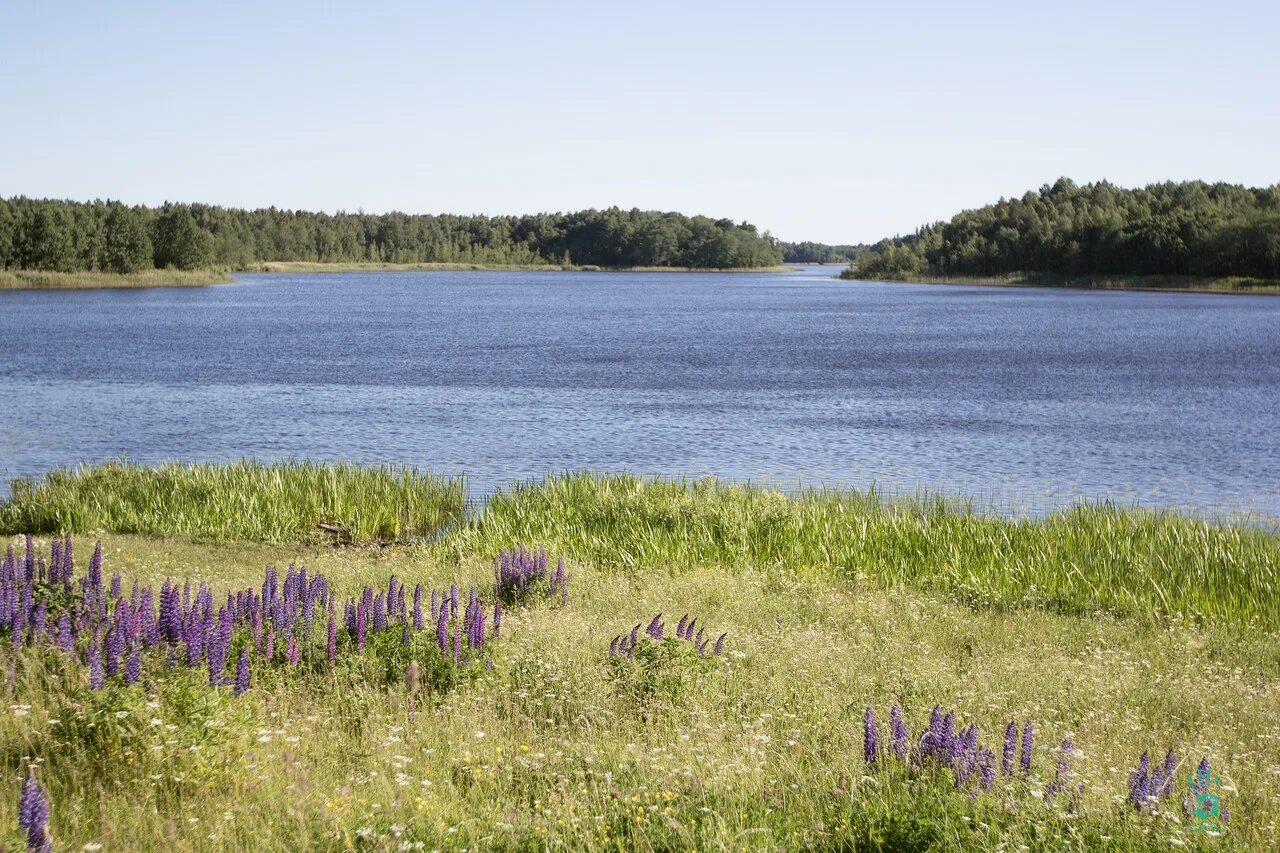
pixel 404 636
pixel 242 670
pixel 719 648
pixel 613 647
pixel 1201 783
pixel 133 666
pixel 1140 783
pixel 898 732
pixel 33 815
pixel 114 647
pixel 933 736
pixel 870 736
pixel 1010 752
pixel 948 735
pixel 635 637
pixel 66 639
pixel 681 626
pixel 688 629
pixel 986 769
pixel 362 626
pixel 293 650
pixel 417 607
pixel 1170 768
pixel 379 613
pixel 332 646
pixel 453 600
pixel 29 566
pixel 95 666
pixel 1028 742
pixel 655 627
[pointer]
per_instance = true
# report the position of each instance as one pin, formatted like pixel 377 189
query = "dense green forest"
pixel 819 253
pixel 68 236
pixel 1190 228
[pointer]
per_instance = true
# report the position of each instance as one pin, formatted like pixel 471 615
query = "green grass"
pixel 1162 283
pixel 44 280
pixel 546 751
pixel 1089 559
pixel 245 500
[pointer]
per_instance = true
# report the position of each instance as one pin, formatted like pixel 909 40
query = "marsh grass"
pixel 45 280
pixel 1093 558
pixel 244 500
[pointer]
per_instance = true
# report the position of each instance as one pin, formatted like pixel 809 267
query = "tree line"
pixel 69 236
pixel 1189 228
pixel 807 252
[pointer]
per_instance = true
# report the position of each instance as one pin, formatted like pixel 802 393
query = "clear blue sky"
pixel 830 121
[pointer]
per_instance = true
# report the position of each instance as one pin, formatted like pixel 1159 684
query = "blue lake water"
pixel 1027 399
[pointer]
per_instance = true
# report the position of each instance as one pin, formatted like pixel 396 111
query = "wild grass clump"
pixel 1093 558
pixel 239 501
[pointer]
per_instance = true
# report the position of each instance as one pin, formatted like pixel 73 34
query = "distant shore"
pixel 45 280
pixel 1153 283
pixel 312 267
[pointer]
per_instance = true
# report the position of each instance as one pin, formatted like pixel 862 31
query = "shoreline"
pixel 46 280
pixel 455 266
pixel 1229 286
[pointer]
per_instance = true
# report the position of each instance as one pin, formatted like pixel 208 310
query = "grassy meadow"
pixel 1119 631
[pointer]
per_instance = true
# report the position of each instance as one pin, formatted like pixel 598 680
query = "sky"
pixel 832 121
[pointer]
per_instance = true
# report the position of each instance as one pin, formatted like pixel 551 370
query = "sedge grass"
pixel 244 500
pixel 1088 559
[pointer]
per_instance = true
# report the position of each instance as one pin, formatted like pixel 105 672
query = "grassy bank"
pixel 1093 558
pixel 309 267
pixel 1120 631
pixel 1159 283
pixel 43 280
pixel 270 502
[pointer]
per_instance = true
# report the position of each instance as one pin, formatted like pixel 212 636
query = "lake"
pixel 1026 399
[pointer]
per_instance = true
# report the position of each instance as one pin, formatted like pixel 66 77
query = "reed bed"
pixel 239 501
pixel 1093 558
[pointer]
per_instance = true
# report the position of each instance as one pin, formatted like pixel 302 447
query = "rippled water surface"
pixel 1024 398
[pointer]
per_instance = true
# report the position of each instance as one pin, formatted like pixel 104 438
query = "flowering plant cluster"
pixel 289 622
pixel 521 573
pixel 624 645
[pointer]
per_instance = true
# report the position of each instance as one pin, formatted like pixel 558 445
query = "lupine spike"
pixel 242 671
pixel 1028 743
pixel 870 736
pixel 33 815
pixel 1010 752
pixel 898 731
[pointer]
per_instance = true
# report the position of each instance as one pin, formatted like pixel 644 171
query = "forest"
pixel 1191 228
pixel 107 236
